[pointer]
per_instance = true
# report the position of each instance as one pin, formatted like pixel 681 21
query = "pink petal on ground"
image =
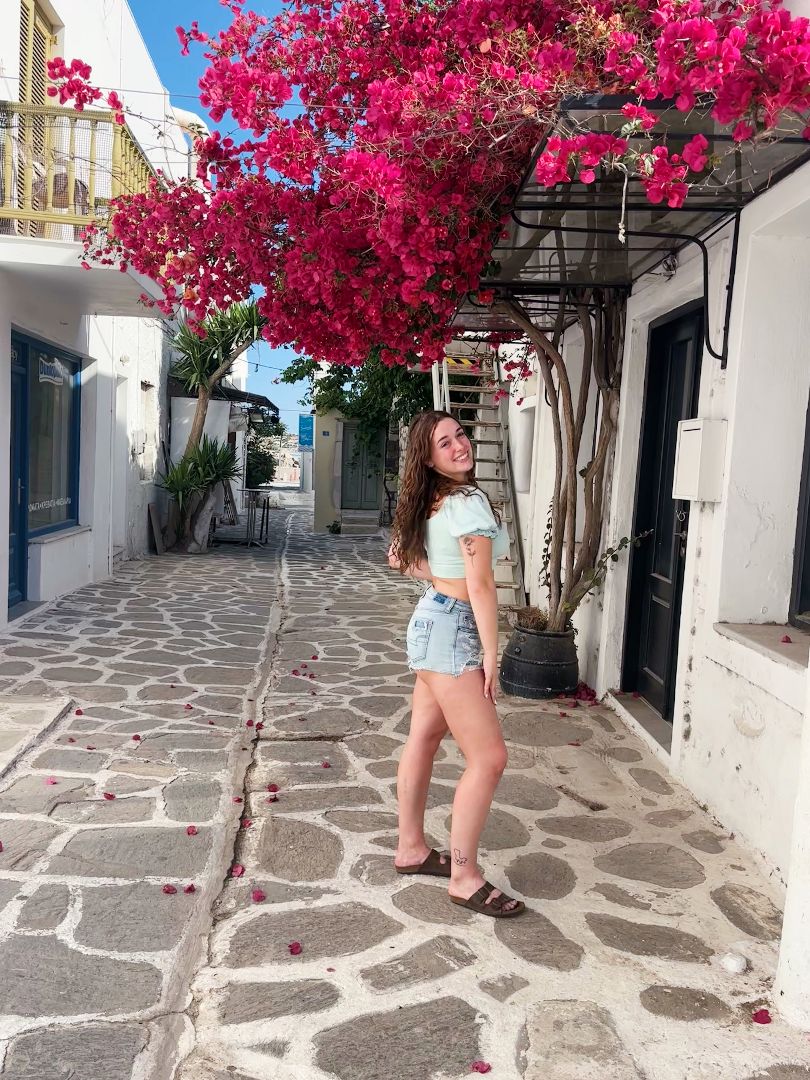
pixel 186 706
pixel 480 1067
pixel 260 726
pixel 786 640
pixel 189 889
pixel 295 948
pixel 304 665
pixel 108 795
pixel 51 781
pixel 170 890
pixel 71 739
pixel 295 671
pixel 237 870
pixel 245 823
pixel 761 1016
pixel 272 787
pixel 249 723
pixel 563 714
pixel 257 896
pixel 325 765
pixel 79 712
pixel 211 723
pixel 136 738
pixel 237 799
pixel 314 657
pixel 1 845
pixel 191 830
pixel 311 674
pixel 89 747
pixel 271 798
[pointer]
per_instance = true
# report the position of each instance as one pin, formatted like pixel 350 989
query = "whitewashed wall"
pixel 738 709
pixel 104 34
pixel 123 411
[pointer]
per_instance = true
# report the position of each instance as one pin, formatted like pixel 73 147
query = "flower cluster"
pixel 384 141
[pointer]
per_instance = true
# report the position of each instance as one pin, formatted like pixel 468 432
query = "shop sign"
pixel 52 371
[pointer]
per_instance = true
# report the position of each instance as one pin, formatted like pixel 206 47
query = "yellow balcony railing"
pixel 59 168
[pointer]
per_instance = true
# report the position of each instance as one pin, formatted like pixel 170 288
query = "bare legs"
pixel 442 702
pixel 428 728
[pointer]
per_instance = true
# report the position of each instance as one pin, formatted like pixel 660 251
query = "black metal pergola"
pixel 564 239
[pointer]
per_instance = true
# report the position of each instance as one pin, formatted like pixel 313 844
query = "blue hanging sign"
pixel 306 430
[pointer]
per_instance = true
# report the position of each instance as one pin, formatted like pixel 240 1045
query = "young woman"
pixel 446 532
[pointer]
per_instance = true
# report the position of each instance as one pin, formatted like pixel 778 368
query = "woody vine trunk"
pixel 574 568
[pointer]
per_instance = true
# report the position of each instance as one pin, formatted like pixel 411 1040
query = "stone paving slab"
pixel 634 893
pixel 24 720
pixel 117 815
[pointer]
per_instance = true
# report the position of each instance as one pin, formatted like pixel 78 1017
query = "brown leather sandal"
pixel 432 866
pixel 496 907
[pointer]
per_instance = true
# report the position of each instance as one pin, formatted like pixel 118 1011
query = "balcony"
pixel 59 170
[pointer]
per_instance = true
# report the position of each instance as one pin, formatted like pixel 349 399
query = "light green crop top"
pixel 461 515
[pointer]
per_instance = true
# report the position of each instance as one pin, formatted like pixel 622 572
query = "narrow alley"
pixel 232 722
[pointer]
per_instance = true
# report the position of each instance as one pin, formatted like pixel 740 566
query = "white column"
pixel 792 986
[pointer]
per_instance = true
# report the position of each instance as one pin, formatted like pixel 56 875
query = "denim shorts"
pixel 442 635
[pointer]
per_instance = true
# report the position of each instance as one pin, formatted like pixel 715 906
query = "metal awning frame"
pixel 724 201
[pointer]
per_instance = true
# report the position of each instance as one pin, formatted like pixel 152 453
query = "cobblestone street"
pixel 246 710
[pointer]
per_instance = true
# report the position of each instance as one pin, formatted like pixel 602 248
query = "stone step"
pixel 348 529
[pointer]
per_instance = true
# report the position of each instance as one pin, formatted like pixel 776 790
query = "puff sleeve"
pixel 470 515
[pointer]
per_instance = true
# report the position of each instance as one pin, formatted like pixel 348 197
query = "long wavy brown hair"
pixel 422 489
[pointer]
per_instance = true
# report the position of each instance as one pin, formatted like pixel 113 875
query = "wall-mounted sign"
pixel 52 370
pixel 306 430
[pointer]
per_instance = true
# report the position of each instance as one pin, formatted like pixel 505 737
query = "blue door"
pixel 18 517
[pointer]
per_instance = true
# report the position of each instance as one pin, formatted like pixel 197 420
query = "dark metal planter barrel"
pixel 539 664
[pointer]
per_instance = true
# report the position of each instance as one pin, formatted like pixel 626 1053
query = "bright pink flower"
pixel 237 870
pixel 295 948
pixel 108 795
pixel 191 830
pixel 257 896
pixel 169 890
pixel 188 889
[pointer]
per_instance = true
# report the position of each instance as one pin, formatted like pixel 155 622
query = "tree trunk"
pixel 200 523
pixel 198 423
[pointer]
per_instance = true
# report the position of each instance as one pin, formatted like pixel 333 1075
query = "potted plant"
pixel 540 659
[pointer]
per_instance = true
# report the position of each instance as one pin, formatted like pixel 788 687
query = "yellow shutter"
pixel 36 42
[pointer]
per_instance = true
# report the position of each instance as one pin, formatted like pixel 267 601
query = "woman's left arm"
pixel 421 570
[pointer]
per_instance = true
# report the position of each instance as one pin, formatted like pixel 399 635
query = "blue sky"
pixel 180 75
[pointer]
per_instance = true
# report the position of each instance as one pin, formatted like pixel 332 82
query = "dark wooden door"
pixel 362 471
pixel 656 580
pixel 18 516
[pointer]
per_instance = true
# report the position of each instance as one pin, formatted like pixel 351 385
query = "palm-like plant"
pixel 207 354
pixel 193 480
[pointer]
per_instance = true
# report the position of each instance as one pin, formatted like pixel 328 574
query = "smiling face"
pixel 450 450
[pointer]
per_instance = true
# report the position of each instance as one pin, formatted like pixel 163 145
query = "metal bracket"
pixel 684 238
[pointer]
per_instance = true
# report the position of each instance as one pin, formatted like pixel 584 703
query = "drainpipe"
pixel 792 986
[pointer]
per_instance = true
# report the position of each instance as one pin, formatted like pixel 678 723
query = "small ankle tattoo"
pixel 458 858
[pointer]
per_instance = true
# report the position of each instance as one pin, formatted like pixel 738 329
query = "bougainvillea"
pixel 386 139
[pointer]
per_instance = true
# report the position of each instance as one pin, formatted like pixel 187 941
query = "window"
pixel 53 410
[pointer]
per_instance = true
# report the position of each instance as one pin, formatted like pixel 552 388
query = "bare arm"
pixel 477 553
pixel 420 571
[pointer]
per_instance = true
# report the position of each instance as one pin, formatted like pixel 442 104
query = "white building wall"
pixel 739 706
pixel 123 398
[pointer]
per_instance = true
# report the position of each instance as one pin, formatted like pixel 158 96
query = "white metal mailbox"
pixel 699 460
